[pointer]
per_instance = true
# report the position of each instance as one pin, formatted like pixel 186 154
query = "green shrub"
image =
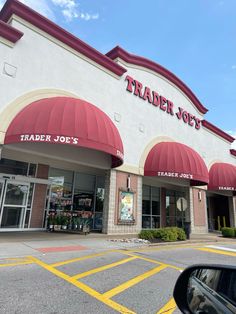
pixel 167 234
pixel 146 234
pixel 228 232
pixel 181 236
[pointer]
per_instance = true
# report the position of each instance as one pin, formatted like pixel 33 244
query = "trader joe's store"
pixel 116 138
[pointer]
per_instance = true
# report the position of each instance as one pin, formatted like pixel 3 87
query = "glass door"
pixel 14 204
pixel 2 184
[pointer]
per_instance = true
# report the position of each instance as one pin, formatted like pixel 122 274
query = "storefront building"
pixel 116 137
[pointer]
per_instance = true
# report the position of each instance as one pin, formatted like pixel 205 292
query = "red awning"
pixel 66 120
pixel 177 161
pixel 222 176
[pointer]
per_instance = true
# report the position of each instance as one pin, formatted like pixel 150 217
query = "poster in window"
pixel 126 207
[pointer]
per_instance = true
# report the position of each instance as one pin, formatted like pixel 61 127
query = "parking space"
pixel 124 281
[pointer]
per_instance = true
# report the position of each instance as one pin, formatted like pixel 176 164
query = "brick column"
pixel 198 211
pixel 39 198
pixel 115 181
pixel 233 221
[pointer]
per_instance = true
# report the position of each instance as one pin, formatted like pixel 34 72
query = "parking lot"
pixel 89 280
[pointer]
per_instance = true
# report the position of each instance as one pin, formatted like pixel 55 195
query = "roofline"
pixel 217 131
pixel 233 152
pixel 19 9
pixel 10 33
pixel 119 52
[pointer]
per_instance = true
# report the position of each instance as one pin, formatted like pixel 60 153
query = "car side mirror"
pixel 206 289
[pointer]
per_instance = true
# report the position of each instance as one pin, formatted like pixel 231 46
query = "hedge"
pixel 167 234
pixel 228 232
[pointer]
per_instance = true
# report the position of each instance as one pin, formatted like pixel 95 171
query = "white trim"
pixel 24 179
pixel 21 229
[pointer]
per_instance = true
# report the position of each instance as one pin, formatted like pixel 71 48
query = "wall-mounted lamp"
pixel 199 196
pixel 128 182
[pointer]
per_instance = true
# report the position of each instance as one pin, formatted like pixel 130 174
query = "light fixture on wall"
pixel 128 182
pixel 199 195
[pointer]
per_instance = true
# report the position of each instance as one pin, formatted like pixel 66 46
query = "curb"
pixel 193 241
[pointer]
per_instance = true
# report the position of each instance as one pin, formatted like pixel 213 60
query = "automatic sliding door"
pixel 14 204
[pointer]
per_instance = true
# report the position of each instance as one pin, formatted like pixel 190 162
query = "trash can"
pixel 187 229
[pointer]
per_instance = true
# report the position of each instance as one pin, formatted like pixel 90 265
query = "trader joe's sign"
pixel 164 104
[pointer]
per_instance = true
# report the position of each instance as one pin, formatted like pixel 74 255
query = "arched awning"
pixel 67 120
pixel 222 176
pixel 177 161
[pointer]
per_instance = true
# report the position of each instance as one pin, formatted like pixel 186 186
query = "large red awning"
pixel 222 176
pixel 67 120
pixel 177 161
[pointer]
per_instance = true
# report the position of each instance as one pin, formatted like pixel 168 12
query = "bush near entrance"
pixel 168 234
pixel 228 232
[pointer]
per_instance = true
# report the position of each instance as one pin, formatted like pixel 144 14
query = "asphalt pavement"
pixel 57 273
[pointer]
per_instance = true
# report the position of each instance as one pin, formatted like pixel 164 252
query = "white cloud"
pixel 88 17
pixel 70 10
pixel 40 6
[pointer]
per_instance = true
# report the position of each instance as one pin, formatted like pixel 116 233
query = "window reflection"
pixel 151 207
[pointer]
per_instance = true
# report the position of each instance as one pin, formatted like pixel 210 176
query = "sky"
pixel 194 39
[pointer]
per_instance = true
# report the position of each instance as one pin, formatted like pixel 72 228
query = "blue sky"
pixel 195 39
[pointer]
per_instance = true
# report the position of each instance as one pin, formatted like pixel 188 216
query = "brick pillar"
pixel 115 181
pixel 39 198
pixel 233 211
pixel 199 211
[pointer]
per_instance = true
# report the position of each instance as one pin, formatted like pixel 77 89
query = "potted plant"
pixel 57 225
pixel 86 226
pixel 64 222
pixel 51 222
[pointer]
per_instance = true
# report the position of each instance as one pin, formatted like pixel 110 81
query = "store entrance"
pixel 13 203
pixel 217 212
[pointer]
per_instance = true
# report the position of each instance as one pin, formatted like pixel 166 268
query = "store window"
pixel 175 215
pixel 84 192
pixel 61 189
pixel 15 167
pixel 80 193
pixel 151 207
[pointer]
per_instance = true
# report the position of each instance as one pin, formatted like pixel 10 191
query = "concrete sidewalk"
pixel 14 244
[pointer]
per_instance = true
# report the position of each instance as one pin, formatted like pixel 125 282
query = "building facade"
pixel 116 138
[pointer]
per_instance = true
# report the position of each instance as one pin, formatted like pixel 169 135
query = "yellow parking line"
pixel 152 260
pixel 111 293
pixel 96 270
pixel 166 248
pixel 14 264
pixel 118 307
pixel 79 259
pixel 217 251
pixel 168 308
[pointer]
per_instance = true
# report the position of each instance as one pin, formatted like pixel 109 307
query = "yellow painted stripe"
pixel 96 270
pixel 168 308
pixel 111 293
pixel 167 247
pixel 217 251
pixel 151 260
pixel 14 259
pixel 73 260
pixel 118 307
pixel 14 264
